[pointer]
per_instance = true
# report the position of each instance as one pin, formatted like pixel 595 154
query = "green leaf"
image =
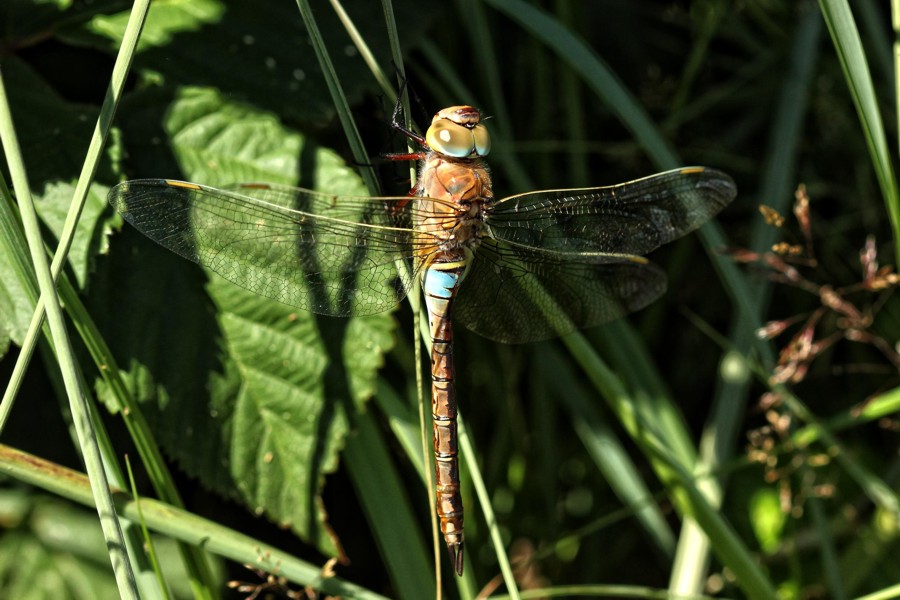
pixel 292 407
pixel 249 395
pixel 16 300
pixel 165 21
pixel 93 227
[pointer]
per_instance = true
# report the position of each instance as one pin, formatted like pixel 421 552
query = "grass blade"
pixel 179 524
pixel 719 435
pixel 595 73
pixel 200 576
pixel 339 99
pixel 388 510
pixel 848 45
pixel 72 376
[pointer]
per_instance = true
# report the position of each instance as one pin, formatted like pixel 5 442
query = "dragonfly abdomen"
pixel 440 282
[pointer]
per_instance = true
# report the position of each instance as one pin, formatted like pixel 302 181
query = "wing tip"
pixel 720 181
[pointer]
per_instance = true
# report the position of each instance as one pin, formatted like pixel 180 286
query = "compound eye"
pixel 482 139
pixel 449 138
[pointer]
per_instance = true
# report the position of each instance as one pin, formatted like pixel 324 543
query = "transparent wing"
pixel 516 294
pixel 630 218
pixel 333 255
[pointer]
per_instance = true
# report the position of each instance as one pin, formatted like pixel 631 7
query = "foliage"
pixel 665 452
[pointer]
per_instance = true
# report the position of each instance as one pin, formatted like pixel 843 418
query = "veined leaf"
pixel 251 396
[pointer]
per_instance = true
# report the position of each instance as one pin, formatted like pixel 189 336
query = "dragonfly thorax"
pixel 454 196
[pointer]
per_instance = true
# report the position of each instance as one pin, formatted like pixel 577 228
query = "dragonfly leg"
pixel 403 156
pixel 396 124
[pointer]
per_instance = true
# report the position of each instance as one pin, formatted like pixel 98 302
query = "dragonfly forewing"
pixel 630 218
pixel 331 255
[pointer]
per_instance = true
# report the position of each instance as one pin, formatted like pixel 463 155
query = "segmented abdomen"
pixel 440 283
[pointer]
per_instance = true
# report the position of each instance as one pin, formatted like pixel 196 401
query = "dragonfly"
pixel 522 268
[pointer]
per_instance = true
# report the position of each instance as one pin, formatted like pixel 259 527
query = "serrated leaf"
pixel 249 395
pixel 224 142
pixel 93 226
pixel 297 393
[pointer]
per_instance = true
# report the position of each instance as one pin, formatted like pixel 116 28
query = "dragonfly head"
pixel 459 133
